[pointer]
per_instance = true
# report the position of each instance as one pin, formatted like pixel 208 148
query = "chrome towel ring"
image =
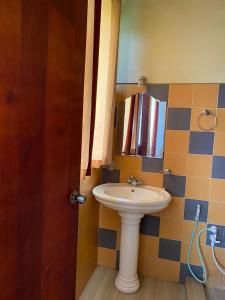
pixel 205 113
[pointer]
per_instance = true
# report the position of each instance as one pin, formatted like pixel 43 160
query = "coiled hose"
pixel 214 241
pixel 205 272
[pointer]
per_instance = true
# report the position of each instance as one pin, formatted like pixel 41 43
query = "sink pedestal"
pixel 131 203
pixel 127 280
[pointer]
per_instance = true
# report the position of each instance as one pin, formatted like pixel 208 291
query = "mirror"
pixel 141 126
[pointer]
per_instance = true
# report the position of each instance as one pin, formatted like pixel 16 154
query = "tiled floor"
pixel 101 287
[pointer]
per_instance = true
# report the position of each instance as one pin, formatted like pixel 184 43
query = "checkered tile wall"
pixel 197 160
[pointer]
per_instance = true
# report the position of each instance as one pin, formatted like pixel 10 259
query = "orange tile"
pixel 175 209
pixel 130 162
pixel 149 246
pixel 188 227
pixel 197 188
pixel 220 120
pixel 205 95
pixel 106 257
pixel 88 213
pixel 117 160
pixel 219 143
pixel 216 213
pixel 217 192
pixel 108 218
pixel 154 179
pixel 170 228
pixel 199 165
pixel 168 269
pixel 87 237
pixel 194 258
pixel 147 266
pixel 177 162
pixel 204 121
pixel 148 178
pixel 87 255
pixel 177 141
pixel 180 95
pixel 159 268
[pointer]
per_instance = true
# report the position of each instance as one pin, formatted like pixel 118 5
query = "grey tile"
pixel 175 185
pixel 220 235
pixel 191 207
pixel 169 249
pixel 152 164
pixel 184 272
pixel 158 91
pixel 108 176
pixel 221 99
pixel 107 238
pixel 179 118
pixel 201 142
pixel 150 225
pixel 218 169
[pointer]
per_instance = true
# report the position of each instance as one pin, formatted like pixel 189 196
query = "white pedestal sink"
pixel 132 203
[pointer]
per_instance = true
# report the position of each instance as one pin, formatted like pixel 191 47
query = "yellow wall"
pixel 172 41
pixel 87 251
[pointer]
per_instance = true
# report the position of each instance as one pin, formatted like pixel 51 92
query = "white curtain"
pixel 87 88
pixel 103 133
pixel 105 103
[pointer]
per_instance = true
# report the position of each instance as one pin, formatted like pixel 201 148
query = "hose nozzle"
pixel 198 211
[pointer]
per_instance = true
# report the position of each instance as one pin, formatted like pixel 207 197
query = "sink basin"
pixel 132 203
pixel 125 198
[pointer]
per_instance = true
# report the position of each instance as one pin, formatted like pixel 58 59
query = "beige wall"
pixel 172 41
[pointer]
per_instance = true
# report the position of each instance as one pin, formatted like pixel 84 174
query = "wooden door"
pixel 41 96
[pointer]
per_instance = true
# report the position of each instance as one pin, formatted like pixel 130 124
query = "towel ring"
pixel 206 112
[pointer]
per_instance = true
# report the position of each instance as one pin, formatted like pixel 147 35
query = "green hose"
pixel 205 273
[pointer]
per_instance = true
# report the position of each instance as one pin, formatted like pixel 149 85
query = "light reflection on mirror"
pixel 141 126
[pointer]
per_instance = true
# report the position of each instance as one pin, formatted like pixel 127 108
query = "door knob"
pixel 76 197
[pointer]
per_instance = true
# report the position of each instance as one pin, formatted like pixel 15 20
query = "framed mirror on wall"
pixel 140 126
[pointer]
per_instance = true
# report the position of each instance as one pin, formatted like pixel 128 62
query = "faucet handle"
pixel 130 179
pixel 134 181
pixel 166 172
pixel 139 182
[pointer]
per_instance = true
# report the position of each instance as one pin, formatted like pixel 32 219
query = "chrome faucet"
pixel 134 181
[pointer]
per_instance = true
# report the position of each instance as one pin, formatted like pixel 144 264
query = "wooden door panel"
pixel 31 123
pixel 66 8
pixel 9 95
pixel 58 251
pixel 41 97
